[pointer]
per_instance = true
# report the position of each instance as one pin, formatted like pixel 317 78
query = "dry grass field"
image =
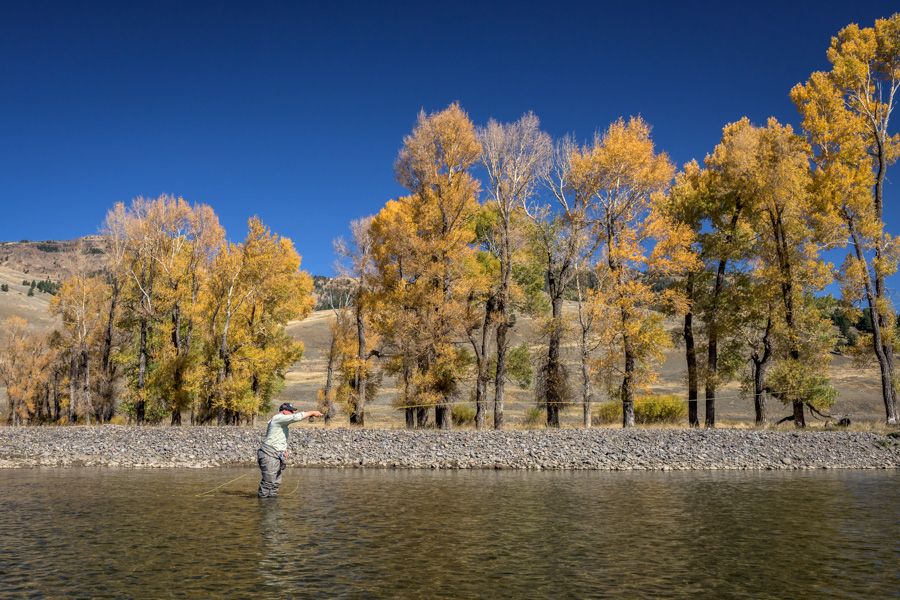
pixel 859 391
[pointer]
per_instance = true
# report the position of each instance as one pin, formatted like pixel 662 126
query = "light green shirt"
pixel 277 431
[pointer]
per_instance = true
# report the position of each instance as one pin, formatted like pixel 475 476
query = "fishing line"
pixel 508 402
pixel 293 490
pixel 220 486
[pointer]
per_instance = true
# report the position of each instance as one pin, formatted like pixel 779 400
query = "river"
pixel 356 533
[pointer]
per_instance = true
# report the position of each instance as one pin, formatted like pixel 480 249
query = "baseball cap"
pixel 288 406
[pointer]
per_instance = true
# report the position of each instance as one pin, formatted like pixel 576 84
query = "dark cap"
pixel 288 406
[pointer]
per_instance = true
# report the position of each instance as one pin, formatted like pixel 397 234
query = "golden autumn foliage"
pixel 254 289
pixel 846 112
pixel 422 249
pixel 626 181
pixel 25 359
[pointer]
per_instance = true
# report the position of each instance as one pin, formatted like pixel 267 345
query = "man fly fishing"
pixel 270 455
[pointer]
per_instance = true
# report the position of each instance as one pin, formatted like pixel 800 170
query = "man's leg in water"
pixel 270 466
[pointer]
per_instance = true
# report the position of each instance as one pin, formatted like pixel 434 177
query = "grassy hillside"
pixel 17 302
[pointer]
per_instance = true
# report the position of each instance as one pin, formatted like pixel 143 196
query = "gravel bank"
pixel 596 449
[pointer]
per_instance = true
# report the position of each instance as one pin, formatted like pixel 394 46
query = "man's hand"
pixel 312 414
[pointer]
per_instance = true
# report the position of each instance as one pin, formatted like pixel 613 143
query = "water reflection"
pixel 359 533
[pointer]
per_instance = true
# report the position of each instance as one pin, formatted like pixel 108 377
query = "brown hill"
pixel 54 260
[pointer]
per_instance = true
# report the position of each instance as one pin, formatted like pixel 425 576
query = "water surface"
pixel 128 533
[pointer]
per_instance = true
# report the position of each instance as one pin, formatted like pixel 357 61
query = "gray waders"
pixel 271 463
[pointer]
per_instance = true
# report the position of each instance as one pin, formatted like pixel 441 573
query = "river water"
pixel 111 533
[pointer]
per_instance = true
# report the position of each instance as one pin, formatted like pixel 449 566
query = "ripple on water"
pixel 108 533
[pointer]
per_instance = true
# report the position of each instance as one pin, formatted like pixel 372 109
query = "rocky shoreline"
pixel 577 449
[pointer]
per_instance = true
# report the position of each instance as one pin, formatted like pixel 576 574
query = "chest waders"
pixel 271 464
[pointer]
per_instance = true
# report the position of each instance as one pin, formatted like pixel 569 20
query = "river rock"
pixel 564 449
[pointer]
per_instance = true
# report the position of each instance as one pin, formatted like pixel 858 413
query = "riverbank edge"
pixel 565 449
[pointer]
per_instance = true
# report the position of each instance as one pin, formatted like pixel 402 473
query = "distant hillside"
pixel 51 259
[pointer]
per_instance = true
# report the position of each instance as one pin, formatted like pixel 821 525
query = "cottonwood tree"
pixel 339 346
pixel 846 115
pixel 482 293
pixel 25 359
pixel 627 181
pixel 590 313
pixel 686 207
pixel 788 251
pixel 79 304
pixel 254 289
pixel 356 264
pixel 143 235
pixel 516 157
pixel 563 235
pixel 714 202
pixel 421 250
pixel 114 230
pixel 168 245
pixel 341 350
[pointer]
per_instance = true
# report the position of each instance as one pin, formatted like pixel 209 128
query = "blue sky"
pixel 295 111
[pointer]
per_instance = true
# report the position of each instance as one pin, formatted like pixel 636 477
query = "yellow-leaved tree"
pixel 846 115
pixel 791 233
pixel 25 359
pixel 79 304
pixel 254 289
pixel 422 252
pixel 628 180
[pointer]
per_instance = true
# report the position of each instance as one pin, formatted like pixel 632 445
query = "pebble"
pixel 564 449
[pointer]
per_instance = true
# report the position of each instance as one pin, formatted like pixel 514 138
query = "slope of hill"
pixel 16 301
pixel 51 259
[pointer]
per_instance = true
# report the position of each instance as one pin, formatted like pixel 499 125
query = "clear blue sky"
pixel 295 111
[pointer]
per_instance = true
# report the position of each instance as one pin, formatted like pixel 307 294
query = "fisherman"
pixel 270 455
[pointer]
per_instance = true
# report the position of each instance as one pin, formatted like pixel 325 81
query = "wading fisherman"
pixel 270 455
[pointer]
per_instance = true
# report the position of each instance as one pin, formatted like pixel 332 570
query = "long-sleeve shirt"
pixel 277 431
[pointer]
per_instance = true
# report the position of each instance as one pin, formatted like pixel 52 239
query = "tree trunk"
pixel 142 372
pixel 691 356
pixel 712 359
pixel 86 386
pixel 73 394
pixel 787 295
pixel 410 418
pixel 329 383
pixel 628 385
pixel 480 393
pixel 108 367
pixel 421 417
pixel 885 360
pixel 799 418
pixel 482 375
pixel 760 367
pixel 361 374
pixel 586 392
pixel 220 412
pixel 442 416
pixel 502 328
pixel 329 392
pixel 554 368
pixel 500 379
pixel 887 348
